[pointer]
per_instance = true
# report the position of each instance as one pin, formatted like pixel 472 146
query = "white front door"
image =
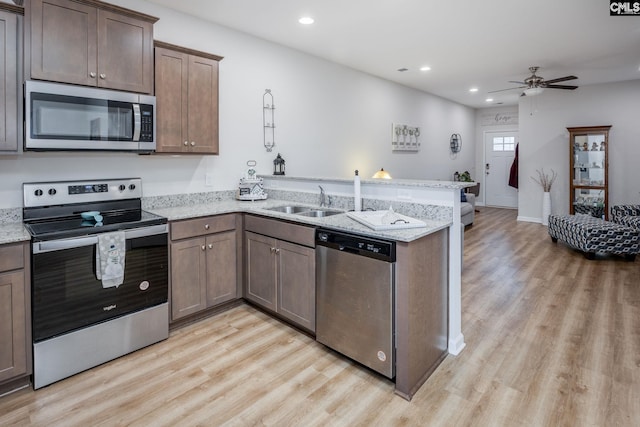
pixel 499 155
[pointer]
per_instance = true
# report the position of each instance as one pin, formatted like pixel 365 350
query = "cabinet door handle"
pixel 92 75
pixel 204 248
pixel 210 245
pixel 193 143
pixel 277 251
pixel 186 143
pixel 103 76
pixel 273 250
pixel 206 226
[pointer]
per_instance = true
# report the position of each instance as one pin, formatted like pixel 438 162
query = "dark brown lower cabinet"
pixel 203 264
pixel 15 315
pixel 280 275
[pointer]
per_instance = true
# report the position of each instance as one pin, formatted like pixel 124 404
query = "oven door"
pixel 67 294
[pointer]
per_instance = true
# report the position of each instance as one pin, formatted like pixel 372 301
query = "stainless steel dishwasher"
pixel 355 298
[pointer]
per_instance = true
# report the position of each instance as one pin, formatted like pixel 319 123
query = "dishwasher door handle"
pixel 348 249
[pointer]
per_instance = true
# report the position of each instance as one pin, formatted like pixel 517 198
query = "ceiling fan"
pixel 534 84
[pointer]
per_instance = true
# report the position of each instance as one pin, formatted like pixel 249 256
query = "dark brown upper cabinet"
pixel 89 43
pixel 186 100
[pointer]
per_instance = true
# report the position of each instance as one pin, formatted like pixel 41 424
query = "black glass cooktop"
pixel 75 225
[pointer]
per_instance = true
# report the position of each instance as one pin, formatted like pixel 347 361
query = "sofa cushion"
pixel 465 208
pixel 629 221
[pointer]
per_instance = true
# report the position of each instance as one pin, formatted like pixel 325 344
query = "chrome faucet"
pixel 322 196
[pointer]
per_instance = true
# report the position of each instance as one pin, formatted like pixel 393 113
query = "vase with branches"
pixel 546 182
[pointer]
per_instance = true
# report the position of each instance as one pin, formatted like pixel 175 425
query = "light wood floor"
pixel 552 340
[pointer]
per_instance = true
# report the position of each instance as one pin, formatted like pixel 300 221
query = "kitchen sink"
pixel 305 211
pixel 290 209
pixel 319 213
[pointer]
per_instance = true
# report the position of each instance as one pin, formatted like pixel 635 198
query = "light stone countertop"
pixel 454 185
pixel 340 222
pixel 12 232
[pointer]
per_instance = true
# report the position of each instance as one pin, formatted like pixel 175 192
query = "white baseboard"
pixel 456 345
pixel 529 219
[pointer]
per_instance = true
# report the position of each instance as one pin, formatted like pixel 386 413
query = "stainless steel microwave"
pixel 67 117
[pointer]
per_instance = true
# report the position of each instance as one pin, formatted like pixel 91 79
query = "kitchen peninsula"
pixel 427 300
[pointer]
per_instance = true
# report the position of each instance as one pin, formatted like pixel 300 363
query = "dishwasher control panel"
pixel 360 245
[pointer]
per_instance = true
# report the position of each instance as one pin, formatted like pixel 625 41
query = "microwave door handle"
pixel 137 122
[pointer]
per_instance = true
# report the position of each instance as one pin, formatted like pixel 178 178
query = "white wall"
pixel 330 120
pixel 544 141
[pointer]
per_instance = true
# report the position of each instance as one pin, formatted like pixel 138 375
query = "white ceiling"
pixel 481 43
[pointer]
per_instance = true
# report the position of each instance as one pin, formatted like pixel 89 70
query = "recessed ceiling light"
pixel 473 89
pixel 489 99
pixel 425 68
pixel 306 20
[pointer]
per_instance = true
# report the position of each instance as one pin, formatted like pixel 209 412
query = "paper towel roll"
pixel 357 199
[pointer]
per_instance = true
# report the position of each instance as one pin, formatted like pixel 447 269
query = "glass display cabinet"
pixel 589 182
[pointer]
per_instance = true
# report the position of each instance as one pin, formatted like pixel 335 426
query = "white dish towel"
pixel 110 253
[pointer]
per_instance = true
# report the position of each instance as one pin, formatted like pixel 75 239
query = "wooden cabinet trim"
pixel 117 9
pixel 11 257
pixel 12 8
pixel 11 137
pixel 186 50
pixel 14 351
pixel 202 226
pixel 282 230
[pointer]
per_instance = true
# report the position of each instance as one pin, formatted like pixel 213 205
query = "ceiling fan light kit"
pixel 532 91
pixel 535 85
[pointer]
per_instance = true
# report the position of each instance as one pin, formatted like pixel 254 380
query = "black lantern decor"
pixel 278 165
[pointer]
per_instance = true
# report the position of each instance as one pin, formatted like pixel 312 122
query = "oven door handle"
pixel 59 245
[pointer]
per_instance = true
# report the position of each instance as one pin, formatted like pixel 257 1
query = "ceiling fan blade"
pixel 570 87
pixel 560 79
pixel 520 83
pixel 502 90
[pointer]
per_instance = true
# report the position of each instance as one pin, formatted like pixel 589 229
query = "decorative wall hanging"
pixel 268 120
pixel 455 143
pixel 405 138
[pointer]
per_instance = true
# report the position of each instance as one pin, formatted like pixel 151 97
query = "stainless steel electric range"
pixel 99 274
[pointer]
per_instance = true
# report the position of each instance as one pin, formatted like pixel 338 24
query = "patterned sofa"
pixel 591 235
pixel 628 215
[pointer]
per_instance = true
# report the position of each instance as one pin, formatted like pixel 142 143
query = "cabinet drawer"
pixel 202 226
pixel 281 230
pixel 11 257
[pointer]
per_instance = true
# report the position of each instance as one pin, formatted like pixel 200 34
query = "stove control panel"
pixel 66 192
pixel 88 188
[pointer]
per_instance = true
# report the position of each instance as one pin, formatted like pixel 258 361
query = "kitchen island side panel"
pixel 421 310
